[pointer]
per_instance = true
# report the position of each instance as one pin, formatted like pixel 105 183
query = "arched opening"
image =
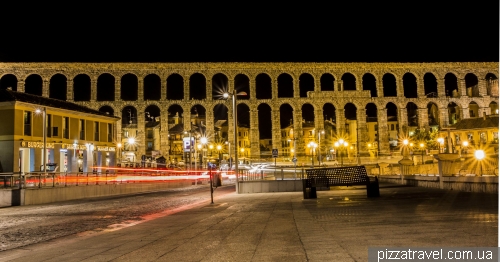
pixel 129 136
pixel 243 115
pixel 198 87
pixel 306 84
pixel 473 109
pixel 450 85
pixel 349 81
pixel 412 113
pixel 58 87
pixel 392 125
pixel 471 85
pixel 493 108
pixel 175 133
pixel 329 113
pixel 430 85
pixel 410 85
pixel 263 88
pixel 152 114
pixel 199 119
pixel 243 130
pixel 129 87
pixel 106 87
pixel 8 81
pixel 81 88
pixel 265 130
pixel 372 130
pixel 286 116
pixel 34 85
pixel 389 85
pixel 491 85
pixel 152 87
pixel 221 126
pixel 370 83
pixel 454 114
pixel 175 87
pixel 129 116
pixel 108 110
pixel 285 85
pixel 327 82
pixel 242 84
pixel 350 128
pixel 219 86
pixel 152 123
pixel 433 115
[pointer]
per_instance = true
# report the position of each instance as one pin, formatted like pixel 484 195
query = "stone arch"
pixel 433 114
pixel 493 108
pixel 219 86
pixel 129 87
pixel 350 111
pixel 370 83
pixel 175 87
pixel 34 85
pixel 81 88
pixel 371 112
pixel 410 85
pixel 58 87
pixel 430 85
pixel 8 81
pixel 327 82
pixel 285 85
pixel 129 115
pixel 106 87
pixel 286 115
pixel 329 112
pixel 108 110
pixel 197 87
pixel 412 114
pixel 306 84
pixel 198 117
pixel 454 113
pixel 263 86
pixel 242 84
pixel 471 85
pixel 243 115
pixel 473 109
pixel 450 85
pixel 152 87
pixel 389 85
pixel 349 81
pixel 265 124
pixel 491 84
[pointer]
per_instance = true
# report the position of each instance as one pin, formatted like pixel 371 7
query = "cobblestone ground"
pixel 26 225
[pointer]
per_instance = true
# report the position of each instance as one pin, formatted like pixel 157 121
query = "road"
pixel 26 225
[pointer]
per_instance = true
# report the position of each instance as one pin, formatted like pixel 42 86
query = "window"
pixel 96 131
pixel 82 129
pixel 55 131
pixel 471 112
pixel 49 125
pixel 150 146
pixel 482 137
pixel 65 127
pixel 125 134
pixel 110 132
pixel 392 127
pixel 27 123
pixel 150 134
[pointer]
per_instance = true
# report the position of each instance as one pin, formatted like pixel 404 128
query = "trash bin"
pixel 372 189
pixel 309 192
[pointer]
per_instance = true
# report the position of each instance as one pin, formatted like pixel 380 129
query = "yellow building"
pixel 77 138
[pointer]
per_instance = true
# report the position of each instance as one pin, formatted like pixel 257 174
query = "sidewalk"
pixel 338 226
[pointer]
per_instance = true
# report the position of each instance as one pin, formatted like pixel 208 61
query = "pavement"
pixel 339 225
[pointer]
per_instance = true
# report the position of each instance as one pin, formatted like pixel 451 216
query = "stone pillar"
pixel 340 116
pixel 118 96
pixel 93 90
pixel 400 88
pixel 420 88
pixel 208 95
pixel 140 89
pixel 465 113
pixel 441 91
pixel 403 121
pixel 163 91
pixel 297 133
pixel 340 83
pixel 296 87
pixel 443 117
pixel 254 133
pixel 358 84
pixel 362 131
pixel 319 121
pixel 186 88
pixel 383 132
pixel 45 88
pixel 276 130
pixel 230 124
pixel 317 83
pixel 141 134
pixel 380 87
pixel 164 134
pixel 274 88
pixel 423 118
pixel 20 86
pixel 481 84
pixel 461 87
pixel 69 91
pixel 252 89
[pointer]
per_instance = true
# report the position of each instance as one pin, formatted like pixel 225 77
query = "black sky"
pixel 336 32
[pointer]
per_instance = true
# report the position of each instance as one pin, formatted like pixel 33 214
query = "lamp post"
pixel 203 141
pixel 343 145
pixel 44 132
pixel 229 152
pixel 235 120
pixel 479 155
pixel 319 146
pixel 219 147
pixel 422 149
pixel 465 144
pixel 313 146
pixel 441 144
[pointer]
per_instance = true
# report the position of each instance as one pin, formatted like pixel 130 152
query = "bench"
pixel 339 176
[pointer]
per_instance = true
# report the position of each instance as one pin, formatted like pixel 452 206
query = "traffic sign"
pixel 294 160
pixel 275 152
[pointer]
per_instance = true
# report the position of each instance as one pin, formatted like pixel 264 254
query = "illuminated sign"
pixel 187 145
pixel 36 144
pixel 67 146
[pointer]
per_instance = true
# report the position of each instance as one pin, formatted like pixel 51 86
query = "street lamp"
pixel 319 145
pixel 44 132
pixel 203 141
pixel 441 144
pixel 342 144
pixel 465 144
pixel 219 147
pixel 422 149
pixel 235 120
pixel 479 155
pixel 313 146
pixel 119 146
